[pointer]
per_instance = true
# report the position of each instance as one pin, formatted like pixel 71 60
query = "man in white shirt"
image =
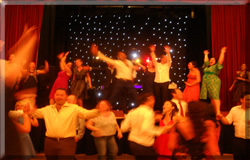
pixel 61 121
pixel 125 74
pixel 161 81
pixel 240 117
pixel 140 122
pixel 178 100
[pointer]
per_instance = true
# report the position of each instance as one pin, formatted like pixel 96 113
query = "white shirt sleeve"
pixel 13 114
pixel 106 59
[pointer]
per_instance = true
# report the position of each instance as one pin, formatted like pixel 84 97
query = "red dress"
pixel 161 144
pixel 60 82
pixel 191 93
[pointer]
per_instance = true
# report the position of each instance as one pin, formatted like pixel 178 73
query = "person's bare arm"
pixel 222 55
pixel 45 70
pixel 169 58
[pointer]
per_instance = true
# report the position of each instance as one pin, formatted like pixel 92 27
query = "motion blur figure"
pixel 20 55
pixel 195 135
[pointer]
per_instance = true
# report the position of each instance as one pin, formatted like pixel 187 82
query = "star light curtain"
pixel 132 33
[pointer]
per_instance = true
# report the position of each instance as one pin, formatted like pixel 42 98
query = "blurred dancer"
pixel 195 136
pixel 23 126
pixel 162 79
pixel 27 86
pixel 20 55
pixel 140 123
pixel 62 79
pixel 161 143
pixel 125 74
pixel 23 52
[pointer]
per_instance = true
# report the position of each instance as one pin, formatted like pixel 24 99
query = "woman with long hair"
pixel 63 76
pixel 161 142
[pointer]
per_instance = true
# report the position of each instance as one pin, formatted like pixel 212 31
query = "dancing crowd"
pixel 165 123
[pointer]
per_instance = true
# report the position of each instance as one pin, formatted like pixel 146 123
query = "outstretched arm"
pixel 222 55
pixel 222 119
pixel 152 53
pixel 95 52
pixel 140 65
pixel 169 58
pixel 64 66
pixel 26 126
pixel 45 70
pixel 206 52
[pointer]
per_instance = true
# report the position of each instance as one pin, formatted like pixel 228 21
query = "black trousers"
pixel 122 88
pixel 162 94
pixel 241 149
pixel 141 152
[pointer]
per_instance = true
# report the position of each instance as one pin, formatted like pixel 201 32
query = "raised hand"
pixel 60 55
pixel 224 49
pixel 206 52
pixel 94 49
pixel 167 49
pixel 66 54
pixel 152 48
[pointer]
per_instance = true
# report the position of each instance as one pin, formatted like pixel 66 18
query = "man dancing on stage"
pixel 125 73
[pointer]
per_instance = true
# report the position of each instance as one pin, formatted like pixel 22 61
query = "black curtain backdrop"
pixel 55 37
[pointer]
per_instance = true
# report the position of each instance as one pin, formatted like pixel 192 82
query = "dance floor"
pixel 41 156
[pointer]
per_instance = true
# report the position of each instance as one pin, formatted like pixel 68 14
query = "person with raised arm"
pixel 211 83
pixel 125 74
pixel 62 79
pixel 162 79
pixel 81 78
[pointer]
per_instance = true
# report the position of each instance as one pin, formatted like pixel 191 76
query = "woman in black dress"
pixel 241 83
pixel 79 84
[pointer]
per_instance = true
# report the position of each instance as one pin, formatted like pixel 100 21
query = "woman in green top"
pixel 211 83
